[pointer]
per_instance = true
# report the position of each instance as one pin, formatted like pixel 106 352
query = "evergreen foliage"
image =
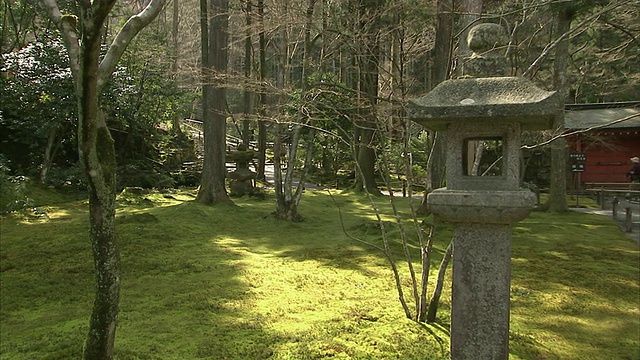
pixel 39 102
pixel 14 192
pixel 38 98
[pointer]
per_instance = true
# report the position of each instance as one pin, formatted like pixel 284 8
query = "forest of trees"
pixel 327 80
pixel 323 82
pixel 93 94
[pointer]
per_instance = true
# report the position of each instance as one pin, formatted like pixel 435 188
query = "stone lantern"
pixel 242 177
pixel 482 199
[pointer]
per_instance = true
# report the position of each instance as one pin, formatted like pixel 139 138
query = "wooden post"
pixel 614 207
pixel 627 220
pixel 601 198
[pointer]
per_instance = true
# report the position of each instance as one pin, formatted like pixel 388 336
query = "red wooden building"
pixel 608 135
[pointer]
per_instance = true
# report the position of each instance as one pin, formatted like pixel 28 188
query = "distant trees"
pixel 380 52
pixel 587 12
pixel 16 25
pixel 364 58
pixel 288 195
pixel 605 55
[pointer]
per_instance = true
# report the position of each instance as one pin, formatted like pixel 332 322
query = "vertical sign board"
pixel 577 161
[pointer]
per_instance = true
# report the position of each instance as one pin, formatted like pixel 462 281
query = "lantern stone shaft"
pixel 482 199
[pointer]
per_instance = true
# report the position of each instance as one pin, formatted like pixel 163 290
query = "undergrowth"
pixel 229 282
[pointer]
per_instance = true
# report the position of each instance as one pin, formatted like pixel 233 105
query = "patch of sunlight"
pixel 594 226
pixel 218 240
pixel 559 255
pixel 625 250
pixel 34 220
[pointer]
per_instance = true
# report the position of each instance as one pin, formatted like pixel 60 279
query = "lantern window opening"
pixel 483 157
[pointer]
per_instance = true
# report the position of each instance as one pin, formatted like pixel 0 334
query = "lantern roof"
pixel 485 99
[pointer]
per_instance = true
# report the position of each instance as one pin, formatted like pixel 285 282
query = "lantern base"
pixel 481 206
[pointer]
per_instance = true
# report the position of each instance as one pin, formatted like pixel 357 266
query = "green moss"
pixel 219 282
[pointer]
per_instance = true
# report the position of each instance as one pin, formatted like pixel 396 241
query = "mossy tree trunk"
pixel 97 155
pixel 82 34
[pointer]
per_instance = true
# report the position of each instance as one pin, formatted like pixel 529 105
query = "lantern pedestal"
pixel 481 266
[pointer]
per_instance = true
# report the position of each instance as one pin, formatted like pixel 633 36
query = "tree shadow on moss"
pixel 182 295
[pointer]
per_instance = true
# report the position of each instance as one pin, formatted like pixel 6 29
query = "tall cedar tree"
pixel 215 39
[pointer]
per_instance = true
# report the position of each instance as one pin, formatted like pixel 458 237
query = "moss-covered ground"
pixel 229 282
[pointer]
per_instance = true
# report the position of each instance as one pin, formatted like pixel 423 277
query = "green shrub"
pixel 13 190
pixel 68 177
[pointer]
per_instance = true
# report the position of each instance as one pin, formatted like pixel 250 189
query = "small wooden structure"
pixel 606 140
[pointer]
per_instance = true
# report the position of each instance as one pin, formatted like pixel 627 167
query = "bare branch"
pixel 579 131
pixel 130 29
pixel 66 24
pixel 386 251
pixel 403 235
pixel 621 29
pixel 530 72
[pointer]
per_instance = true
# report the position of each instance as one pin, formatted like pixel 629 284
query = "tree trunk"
pixel 440 70
pixel 262 126
pixel 368 64
pixel 470 12
pixel 91 70
pixel 247 91
pixel 557 201
pixel 177 117
pixel 49 153
pixel 366 158
pixel 98 157
pixel 286 206
pixel 214 61
pixel 287 199
pixel 102 327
